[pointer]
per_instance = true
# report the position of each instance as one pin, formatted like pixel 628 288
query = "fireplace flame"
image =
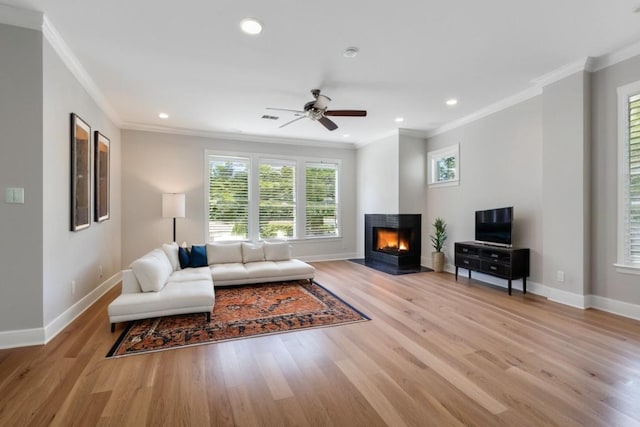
pixel 391 240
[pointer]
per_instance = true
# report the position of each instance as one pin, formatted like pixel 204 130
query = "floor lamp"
pixel 173 206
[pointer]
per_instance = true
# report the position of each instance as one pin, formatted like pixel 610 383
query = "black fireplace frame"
pixel 411 259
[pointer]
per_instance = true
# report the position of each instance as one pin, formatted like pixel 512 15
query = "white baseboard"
pixel 614 306
pixel 332 257
pixel 40 336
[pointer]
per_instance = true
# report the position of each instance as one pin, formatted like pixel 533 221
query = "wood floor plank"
pixel 436 352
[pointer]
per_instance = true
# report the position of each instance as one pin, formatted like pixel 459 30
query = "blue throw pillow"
pixel 198 256
pixel 184 257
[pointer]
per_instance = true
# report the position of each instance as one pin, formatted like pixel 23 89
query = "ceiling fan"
pixel 317 110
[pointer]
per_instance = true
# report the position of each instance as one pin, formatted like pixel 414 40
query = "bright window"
pixel 277 212
pixel 444 166
pixel 321 182
pixel 629 178
pixel 228 198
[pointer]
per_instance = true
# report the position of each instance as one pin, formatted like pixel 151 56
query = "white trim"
pixel 40 336
pixel 615 307
pixel 18 17
pixel 434 156
pixel 488 110
pixel 567 298
pixel 71 61
pixel 617 56
pixel 246 137
pixel 332 257
pixel 565 71
pixel 627 269
pixel 58 324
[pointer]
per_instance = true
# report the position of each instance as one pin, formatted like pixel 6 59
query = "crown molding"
pixel 619 55
pixel 488 110
pixel 584 64
pixel 21 17
pixel 245 137
pixel 413 133
pixel 71 61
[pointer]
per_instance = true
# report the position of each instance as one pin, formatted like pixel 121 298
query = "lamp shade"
pixel 173 205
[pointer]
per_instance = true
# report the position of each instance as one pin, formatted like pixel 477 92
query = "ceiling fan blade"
pixel 285 109
pixel 346 113
pixel 328 123
pixel 321 102
pixel 291 121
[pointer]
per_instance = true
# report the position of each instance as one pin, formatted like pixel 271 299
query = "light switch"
pixel 14 195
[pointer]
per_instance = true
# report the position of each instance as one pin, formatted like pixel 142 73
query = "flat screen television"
pixel 493 226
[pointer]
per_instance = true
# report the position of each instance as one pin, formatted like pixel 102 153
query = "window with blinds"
pixel 633 181
pixel 228 198
pixel 277 209
pixel 321 184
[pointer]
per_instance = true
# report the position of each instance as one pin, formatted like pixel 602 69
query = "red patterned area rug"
pixel 240 312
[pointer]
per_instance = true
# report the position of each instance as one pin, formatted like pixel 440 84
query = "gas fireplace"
pixel 392 239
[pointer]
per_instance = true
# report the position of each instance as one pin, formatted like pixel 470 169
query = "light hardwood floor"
pixel 437 352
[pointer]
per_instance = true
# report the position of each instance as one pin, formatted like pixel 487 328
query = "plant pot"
pixel 437 261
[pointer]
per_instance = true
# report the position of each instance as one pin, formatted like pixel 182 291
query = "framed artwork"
pixel 444 166
pixel 80 173
pixel 101 178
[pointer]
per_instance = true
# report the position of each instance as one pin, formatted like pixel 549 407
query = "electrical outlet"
pixel 560 276
pixel 73 287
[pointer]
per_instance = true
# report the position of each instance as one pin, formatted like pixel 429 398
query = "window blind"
pixel 321 182
pixel 228 198
pixel 633 222
pixel 277 199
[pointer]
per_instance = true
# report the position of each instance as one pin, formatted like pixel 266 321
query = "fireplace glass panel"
pixel 393 241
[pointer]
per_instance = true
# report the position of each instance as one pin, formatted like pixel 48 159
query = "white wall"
pixel 607 282
pixel 71 255
pixel 500 165
pixel 566 184
pixel 377 181
pixel 155 163
pixel 21 166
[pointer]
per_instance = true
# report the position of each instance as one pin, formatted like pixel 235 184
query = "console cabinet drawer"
pixel 496 255
pixel 464 250
pixel 467 262
pixel 497 269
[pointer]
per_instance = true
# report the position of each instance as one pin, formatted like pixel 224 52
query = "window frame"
pixel 433 157
pixel 624 264
pixel 253 230
pixel 338 201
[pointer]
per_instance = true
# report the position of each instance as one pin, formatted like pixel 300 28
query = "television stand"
pixel 506 263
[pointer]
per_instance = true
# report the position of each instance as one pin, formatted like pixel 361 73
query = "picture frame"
pixel 80 173
pixel 444 166
pixel 102 176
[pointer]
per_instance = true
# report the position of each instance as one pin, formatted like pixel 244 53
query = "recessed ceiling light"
pixel 163 115
pixel 451 102
pixel 251 26
pixel 346 135
pixel 399 119
pixel 350 52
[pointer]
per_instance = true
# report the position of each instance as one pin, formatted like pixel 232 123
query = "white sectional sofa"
pixel 170 280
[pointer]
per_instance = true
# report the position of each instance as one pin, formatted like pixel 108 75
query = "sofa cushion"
pixel 277 251
pixel 221 253
pixel 190 274
pixel 198 256
pixel 228 271
pixel 152 270
pixel 252 252
pixel 184 256
pixel 171 250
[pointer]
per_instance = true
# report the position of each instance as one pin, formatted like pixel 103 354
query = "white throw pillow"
pixel 252 252
pixel 152 270
pixel 222 253
pixel 277 251
pixel 171 251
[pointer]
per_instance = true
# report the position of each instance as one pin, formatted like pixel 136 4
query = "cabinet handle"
pixel 466 262
pixel 492 267
pixel 465 250
pixel 494 255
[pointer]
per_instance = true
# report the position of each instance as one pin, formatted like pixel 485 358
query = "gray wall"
pixel 565 184
pixel 607 282
pixel 73 255
pixel 500 165
pixel 155 163
pixel 21 166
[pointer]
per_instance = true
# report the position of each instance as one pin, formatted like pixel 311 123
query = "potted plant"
pixel 438 239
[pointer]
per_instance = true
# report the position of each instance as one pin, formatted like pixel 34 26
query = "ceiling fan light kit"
pixel 317 111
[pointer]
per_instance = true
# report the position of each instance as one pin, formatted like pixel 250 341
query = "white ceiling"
pixel 191 60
